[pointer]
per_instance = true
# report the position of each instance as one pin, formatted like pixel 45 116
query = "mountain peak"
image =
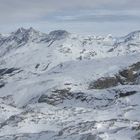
pixel 58 34
pixel 32 30
pixel 23 31
pixel 133 35
pixel 20 30
pixel 23 34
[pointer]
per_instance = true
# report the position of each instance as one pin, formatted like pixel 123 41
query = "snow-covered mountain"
pixel 63 86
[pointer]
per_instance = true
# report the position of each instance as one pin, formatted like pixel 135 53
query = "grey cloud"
pixel 36 8
pixel 99 16
pixel 31 11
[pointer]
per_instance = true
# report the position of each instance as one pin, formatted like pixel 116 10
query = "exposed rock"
pixel 127 76
pixel 105 82
pixel 37 66
pixel 136 66
pixel 125 94
pixel 56 97
pixel 7 71
pixel 58 34
pixel 90 137
pixel 2 85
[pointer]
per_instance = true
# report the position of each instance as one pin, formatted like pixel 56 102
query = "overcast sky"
pixel 79 16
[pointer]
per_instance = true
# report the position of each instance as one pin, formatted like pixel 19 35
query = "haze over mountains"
pixel 64 86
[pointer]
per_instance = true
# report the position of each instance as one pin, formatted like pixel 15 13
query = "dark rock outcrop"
pixel 105 82
pixel 58 34
pixel 130 75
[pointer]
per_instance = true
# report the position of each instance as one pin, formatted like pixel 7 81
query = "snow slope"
pixel 62 86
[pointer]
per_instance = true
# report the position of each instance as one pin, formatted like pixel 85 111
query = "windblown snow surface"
pixel 63 86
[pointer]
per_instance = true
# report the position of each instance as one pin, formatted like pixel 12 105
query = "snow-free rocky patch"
pixel 63 86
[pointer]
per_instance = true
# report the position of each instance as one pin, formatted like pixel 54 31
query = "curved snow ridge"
pixel 94 69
